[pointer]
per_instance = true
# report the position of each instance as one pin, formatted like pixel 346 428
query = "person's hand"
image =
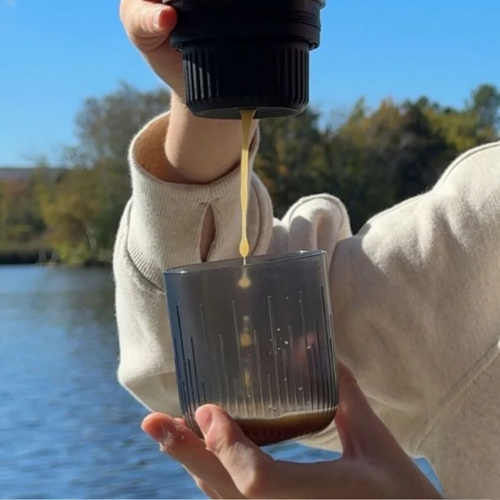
pixel 195 150
pixel 228 465
pixel 148 24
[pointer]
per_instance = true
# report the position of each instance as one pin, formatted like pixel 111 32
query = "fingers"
pixel 360 430
pixel 254 473
pixel 144 21
pixel 187 448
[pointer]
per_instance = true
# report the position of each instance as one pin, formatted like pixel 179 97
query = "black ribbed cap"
pixel 271 77
pixel 246 54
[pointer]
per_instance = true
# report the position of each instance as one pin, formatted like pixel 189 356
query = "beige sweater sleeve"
pixel 161 229
pixel 415 298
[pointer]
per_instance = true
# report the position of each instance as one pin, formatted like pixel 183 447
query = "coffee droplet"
pixel 248 379
pixel 245 281
pixel 244 248
pixel 245 340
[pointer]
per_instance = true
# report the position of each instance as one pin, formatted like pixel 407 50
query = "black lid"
pixel 246 54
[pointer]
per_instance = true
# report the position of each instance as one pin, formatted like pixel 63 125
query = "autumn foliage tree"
pixel 376 157
pixel 371 160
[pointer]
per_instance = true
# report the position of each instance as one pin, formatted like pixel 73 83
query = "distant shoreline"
pixel 12 255
pixel 18 260
pixel 27 255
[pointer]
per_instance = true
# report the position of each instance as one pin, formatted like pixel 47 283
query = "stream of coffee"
pixel 247 116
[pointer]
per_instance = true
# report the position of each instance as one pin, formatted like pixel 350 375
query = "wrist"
pixel 182 148
pixel 148 150
pixel 201 150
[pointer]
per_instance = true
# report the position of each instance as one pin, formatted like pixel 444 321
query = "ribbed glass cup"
pixel 256 341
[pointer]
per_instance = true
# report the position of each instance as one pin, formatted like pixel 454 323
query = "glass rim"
pixel 252 262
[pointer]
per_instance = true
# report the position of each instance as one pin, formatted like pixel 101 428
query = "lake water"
pixel 67 429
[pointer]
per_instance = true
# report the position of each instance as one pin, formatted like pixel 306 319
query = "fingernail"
pixel 204 418
pixel 156 17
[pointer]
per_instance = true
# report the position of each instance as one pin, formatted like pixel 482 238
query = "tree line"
pixel 374 159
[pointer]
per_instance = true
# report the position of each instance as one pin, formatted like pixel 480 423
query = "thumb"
pixel 248 466
pixel 145 20
pixel 361 432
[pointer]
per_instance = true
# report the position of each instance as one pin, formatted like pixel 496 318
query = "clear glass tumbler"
pixel 256 341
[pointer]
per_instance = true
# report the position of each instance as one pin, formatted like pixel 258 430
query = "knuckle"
pixel 173 442
pixel 224 439
pixel 132 36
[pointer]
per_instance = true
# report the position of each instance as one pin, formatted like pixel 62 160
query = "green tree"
pixel 291 158
pixel 20 220
pixel 422 154
pixel 371 160
pixel 485 104
pixel 104 128
pixel 367 144
pixel 71 211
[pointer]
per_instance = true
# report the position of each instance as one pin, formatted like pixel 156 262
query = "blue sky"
pixel 55 53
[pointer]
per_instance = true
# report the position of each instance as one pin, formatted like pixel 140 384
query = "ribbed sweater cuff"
pixel 166 219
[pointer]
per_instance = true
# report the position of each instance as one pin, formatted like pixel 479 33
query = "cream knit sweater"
pixel 415 295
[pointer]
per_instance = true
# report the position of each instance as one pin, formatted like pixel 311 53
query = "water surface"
pixel 67 429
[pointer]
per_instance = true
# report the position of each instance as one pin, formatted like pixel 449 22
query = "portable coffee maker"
pixel 246 54
pixel 256 340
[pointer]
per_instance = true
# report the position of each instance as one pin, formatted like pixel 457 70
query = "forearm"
pixel 193 150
